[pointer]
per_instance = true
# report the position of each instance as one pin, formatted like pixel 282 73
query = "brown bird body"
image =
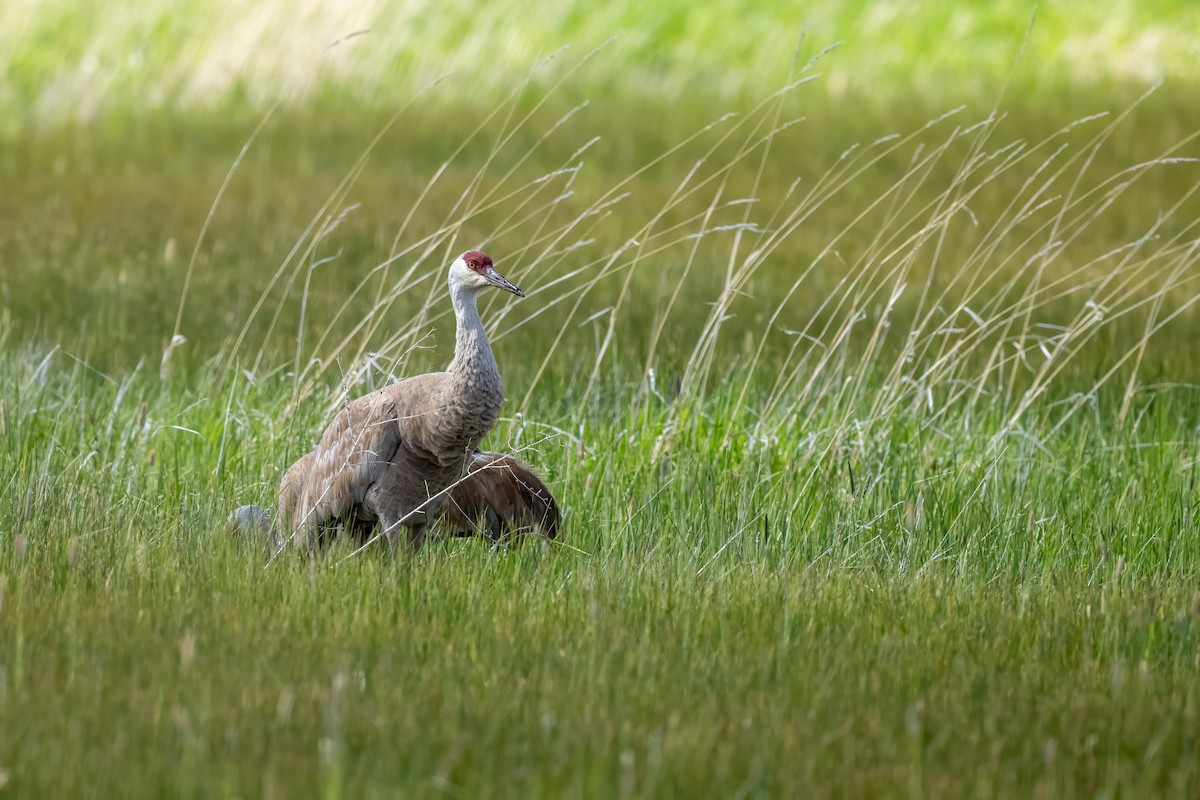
pixel 500 497
pixel 497 496
pixel 391 456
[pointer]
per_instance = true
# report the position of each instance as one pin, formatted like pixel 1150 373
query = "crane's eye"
pixel 472 264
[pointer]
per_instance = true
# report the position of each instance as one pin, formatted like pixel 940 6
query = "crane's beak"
pixel 501 282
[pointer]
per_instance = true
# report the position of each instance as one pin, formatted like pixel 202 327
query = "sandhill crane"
pixel 391 456
pixel 500 497
pixel 497 496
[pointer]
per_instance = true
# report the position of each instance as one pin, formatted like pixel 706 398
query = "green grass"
pixel 878 453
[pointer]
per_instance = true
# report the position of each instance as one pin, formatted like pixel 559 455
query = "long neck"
pixel 469 402
pixel 473 357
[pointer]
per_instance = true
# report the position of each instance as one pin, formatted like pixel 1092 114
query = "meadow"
pixel 866 376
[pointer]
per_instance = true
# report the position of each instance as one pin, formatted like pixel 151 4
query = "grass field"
pixel 868 384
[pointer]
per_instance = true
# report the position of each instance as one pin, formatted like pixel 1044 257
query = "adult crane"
pixel 407 455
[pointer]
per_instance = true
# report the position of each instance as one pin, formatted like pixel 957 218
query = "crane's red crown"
pixel 477 260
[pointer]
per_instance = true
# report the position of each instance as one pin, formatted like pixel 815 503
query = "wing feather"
pixel 291 490
pixel 353 454
pixel 505 495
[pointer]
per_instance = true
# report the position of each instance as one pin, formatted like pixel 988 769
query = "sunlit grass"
pixel 61 59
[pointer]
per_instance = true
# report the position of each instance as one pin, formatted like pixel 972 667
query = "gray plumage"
pixel 255 521
pixel 391 456
pixel 497 497
pixel 251 519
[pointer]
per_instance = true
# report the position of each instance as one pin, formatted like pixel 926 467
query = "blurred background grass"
pixel 61 59
pixel 120 121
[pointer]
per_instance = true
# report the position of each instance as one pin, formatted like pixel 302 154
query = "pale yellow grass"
pixel 73 59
